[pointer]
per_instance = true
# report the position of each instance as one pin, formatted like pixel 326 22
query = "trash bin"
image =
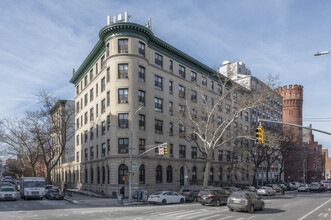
pixel 120 198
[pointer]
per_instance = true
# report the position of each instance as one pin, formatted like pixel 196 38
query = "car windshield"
pixel 205 192
pixel 238 195
pixel 7 190
pixel 55 190
pixel 34 184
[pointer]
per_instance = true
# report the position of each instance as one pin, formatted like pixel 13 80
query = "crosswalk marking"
pixel 211 217
pixel 195 214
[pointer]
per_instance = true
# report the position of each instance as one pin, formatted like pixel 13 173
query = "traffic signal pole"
pixel 299 126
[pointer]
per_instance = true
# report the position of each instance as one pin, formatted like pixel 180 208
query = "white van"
pixel 32 187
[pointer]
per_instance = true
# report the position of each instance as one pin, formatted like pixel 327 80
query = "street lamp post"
pixel 322 53
pixel 130 167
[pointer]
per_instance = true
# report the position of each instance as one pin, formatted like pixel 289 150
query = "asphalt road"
pixel 301 206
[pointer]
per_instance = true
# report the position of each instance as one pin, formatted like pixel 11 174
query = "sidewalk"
pixel 91 199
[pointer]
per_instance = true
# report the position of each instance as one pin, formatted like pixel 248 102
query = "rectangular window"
pixel 142 122
pixel 97 130
pixel 158 60
pixel 77 90
pixel 103 149
pixel 108 75
pixel 103 62
pixel 96 110
pixel 123 71
pixel 182 151
pixel 204 81
pixel 86 99
pixel 181 109
pixel 77 123
pixel 141 146
pixel 123 96
pixel 86 155
pixel 193 96
pixel 123 46
pixel 171 108
pixel 91 75
pixel 170 87
pixel 77 156
pixel 77 140
pixel 141 98
pixel 108 146
pixel 107 50
pixel 219 121
pixel 181 130
pixel 85 117
pixel 91 153
pixel 194 153
pixel 96 69
pixel 123 121
pixel 220 155
pixel 181 90
pixel 91 133
pixel 103 106
pixel 123 145
pixel 103 84
pixel 158 82
pixel 158 126
pixel 91 114
pixel 103 128
pixel 171 128
pixel 108 98
pixel 158 105
pixel 97 151
pixel 141 75
pixel 193 76
pixel 108 122
pixel 77 107
pixel 85 81
pixel 141 49
pixel 227 107
pixel 212 85
pixel 171 65
pixel 91 95
pixel 96 90
pixel 181 71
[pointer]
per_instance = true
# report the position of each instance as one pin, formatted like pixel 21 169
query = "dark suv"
pixel 245 201
pixel 191 195
pixel 213 196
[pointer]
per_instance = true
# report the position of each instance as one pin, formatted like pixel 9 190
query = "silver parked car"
pixel 165 197
pixel 266 191
pixel 8 193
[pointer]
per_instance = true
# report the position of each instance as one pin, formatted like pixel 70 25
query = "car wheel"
pixel 251 209
pixel 262 207
pixel 217 203
pixel 182 200
pixel 195 199
pixel 231 210
pixel 164 202
pixel 203 204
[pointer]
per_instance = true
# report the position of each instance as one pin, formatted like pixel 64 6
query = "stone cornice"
pixel 145 34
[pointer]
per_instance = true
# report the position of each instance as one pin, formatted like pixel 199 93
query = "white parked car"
pixel 266 191
pixel 8 193
pixel 165 197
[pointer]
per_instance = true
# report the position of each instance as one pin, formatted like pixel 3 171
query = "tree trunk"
pixel 254 177
pixel 48 177
pixel 206 173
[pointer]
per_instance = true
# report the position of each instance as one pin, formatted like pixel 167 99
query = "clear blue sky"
pixel 41 41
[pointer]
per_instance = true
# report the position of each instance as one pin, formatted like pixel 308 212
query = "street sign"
pixel 161 151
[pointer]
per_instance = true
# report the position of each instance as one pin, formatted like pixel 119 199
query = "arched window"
pixel 74 176
pixel 169 174
pixel 159 174
pixel 122 171
pixel 142 174
pixel 92 180
pixel 221 174
pixel 194 175
pixel 86 175
pixel 211 174
pixel 103 175
pixel 98 175
pixel 108 172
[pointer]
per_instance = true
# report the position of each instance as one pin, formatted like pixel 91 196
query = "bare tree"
pixel 214 128
pixel 52 126
pixel 19 143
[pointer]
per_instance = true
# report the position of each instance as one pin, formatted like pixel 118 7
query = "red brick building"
pixel 292 113
pixel 315 159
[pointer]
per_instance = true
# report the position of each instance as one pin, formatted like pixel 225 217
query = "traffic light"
pixel 259 135
pixel 165 150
